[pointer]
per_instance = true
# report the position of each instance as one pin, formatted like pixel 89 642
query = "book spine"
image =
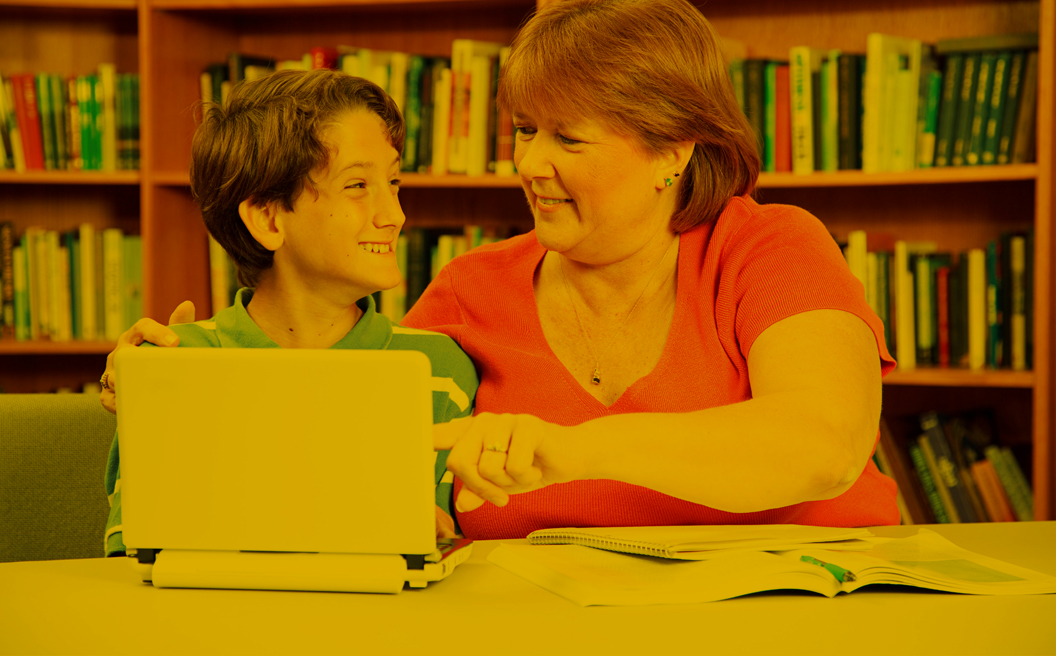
pixel 947 467
pixel 74 265
pixel 46 109
pixel 504 131
pixel 754 98
pixel 7 280
pixel 1003 462
pixel 1023 142
pixel 995 117
pixel 993 305
pixel 977 325
pixel 905 319
pixel 132 290
pixel 769 140
pixel 940 479
pixel 948 109
pixel 1018 317
pixel 849 95
pixel 442 124
pixel 480 90
pixel 28 116
pixel 413 114
pixel 963 127
pixel 1011 111
pixel 931 93
pixel 922 278
pixel 987 475
pixel 88 303
pixel 113 277
pixel 942 288
pixel 21 288
pixel 801 96
pixel 916 454
pixel 980 109
pixel 783 127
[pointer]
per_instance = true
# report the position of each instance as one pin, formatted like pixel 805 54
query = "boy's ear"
pixel 262 222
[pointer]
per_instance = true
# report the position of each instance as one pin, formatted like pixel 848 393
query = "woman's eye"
pixel 395 183
pixel 567 141
pixel 524 129
pixel 356 185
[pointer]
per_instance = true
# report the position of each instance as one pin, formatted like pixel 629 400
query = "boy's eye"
pixel 524 129
pixel 396 182
pixel 567 141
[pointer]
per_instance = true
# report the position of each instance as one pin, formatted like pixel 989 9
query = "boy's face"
pixel 341 236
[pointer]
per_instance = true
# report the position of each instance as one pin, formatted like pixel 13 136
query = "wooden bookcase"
pixel 169 42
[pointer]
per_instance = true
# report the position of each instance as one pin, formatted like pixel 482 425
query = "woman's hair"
pixel 263 144
pixel 650 69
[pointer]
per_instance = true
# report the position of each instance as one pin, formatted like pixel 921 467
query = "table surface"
pixel 99 606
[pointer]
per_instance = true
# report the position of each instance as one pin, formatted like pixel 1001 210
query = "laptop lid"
pixel 276 450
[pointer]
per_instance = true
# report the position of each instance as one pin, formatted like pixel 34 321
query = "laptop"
pixel 286 469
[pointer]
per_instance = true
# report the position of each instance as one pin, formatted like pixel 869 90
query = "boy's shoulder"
pixel 200 334
pixel 443 351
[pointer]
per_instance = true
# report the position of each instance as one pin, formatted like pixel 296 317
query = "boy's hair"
pixel 263 145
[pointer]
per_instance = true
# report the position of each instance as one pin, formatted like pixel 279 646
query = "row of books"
pixel 951 469
pixel 448 103
pixel 901 105
pixel 420 254
pixel 971 309
pixel 81 284
pixel 70 123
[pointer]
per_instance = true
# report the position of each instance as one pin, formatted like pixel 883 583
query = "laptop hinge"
pixel 415 561
pixel 146 556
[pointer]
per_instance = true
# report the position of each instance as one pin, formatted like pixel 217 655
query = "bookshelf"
pixel 168 42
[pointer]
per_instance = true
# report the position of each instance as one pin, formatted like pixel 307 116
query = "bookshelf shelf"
pixel 128 5
pixel 71 177
pixel 937 377
pixel 44 347
pixel 944 175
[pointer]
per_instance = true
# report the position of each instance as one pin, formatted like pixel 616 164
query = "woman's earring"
pixel 669 181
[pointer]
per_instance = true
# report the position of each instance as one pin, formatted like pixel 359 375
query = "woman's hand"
pixel 144 330
pixel 445 526
pixel 499 455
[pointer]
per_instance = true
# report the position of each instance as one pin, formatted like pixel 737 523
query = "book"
pixel 755 101
pixel 891 82
pixel 951 83
pixel 463 52
pixel 89 319
pixel 995 346
pixel 504 130
pixel 928 115
pixel 939 478
pixel 238 61
pixel 973 146
pixel 1012 480
pixel 948 468
pixel 27 112
pixel 441 150
pixel 989 42
pixel 829 124
pixel 782 120
pixel 1023 142
pixel 1011 110
pixel 7 280
pixel 965 105
pixel 46 109
pixel 997 504
pixel 413 113
pixel 977 326
pixel 113 282
pixel 928 483
pixel 804 64
pixel 902 471
pixel 108 116
pixel 1017 319
pixel 21 287
pixel 905 312
pixel 588 577
pixel 995 116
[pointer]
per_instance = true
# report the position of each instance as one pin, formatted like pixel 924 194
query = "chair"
pixel 53 451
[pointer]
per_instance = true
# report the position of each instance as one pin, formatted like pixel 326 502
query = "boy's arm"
pixel 113 542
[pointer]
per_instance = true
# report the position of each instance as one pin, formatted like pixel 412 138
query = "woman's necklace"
pixel 595 378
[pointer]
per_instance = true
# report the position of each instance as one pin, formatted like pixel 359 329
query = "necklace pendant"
pixel 596 378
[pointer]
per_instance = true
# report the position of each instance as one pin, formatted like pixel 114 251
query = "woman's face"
pixel 596 195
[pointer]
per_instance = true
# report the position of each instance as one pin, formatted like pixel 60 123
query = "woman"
pixel 661 349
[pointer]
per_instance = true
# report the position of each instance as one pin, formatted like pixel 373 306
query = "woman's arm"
pixel 144 330
pixel 806 434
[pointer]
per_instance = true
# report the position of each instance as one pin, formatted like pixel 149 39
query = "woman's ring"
pixel 496 448
pixel 104 381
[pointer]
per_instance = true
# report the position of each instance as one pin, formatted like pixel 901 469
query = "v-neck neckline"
pixel 585 397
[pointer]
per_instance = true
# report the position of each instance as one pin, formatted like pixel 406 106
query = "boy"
pixel 296 177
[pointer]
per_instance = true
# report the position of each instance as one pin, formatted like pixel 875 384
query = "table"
pixel 99 606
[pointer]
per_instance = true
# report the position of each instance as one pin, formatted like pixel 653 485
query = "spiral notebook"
pixel 704 542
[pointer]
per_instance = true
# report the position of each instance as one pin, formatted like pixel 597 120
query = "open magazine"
pixel 590 576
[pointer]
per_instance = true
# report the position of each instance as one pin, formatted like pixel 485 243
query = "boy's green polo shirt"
pixel 454 380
